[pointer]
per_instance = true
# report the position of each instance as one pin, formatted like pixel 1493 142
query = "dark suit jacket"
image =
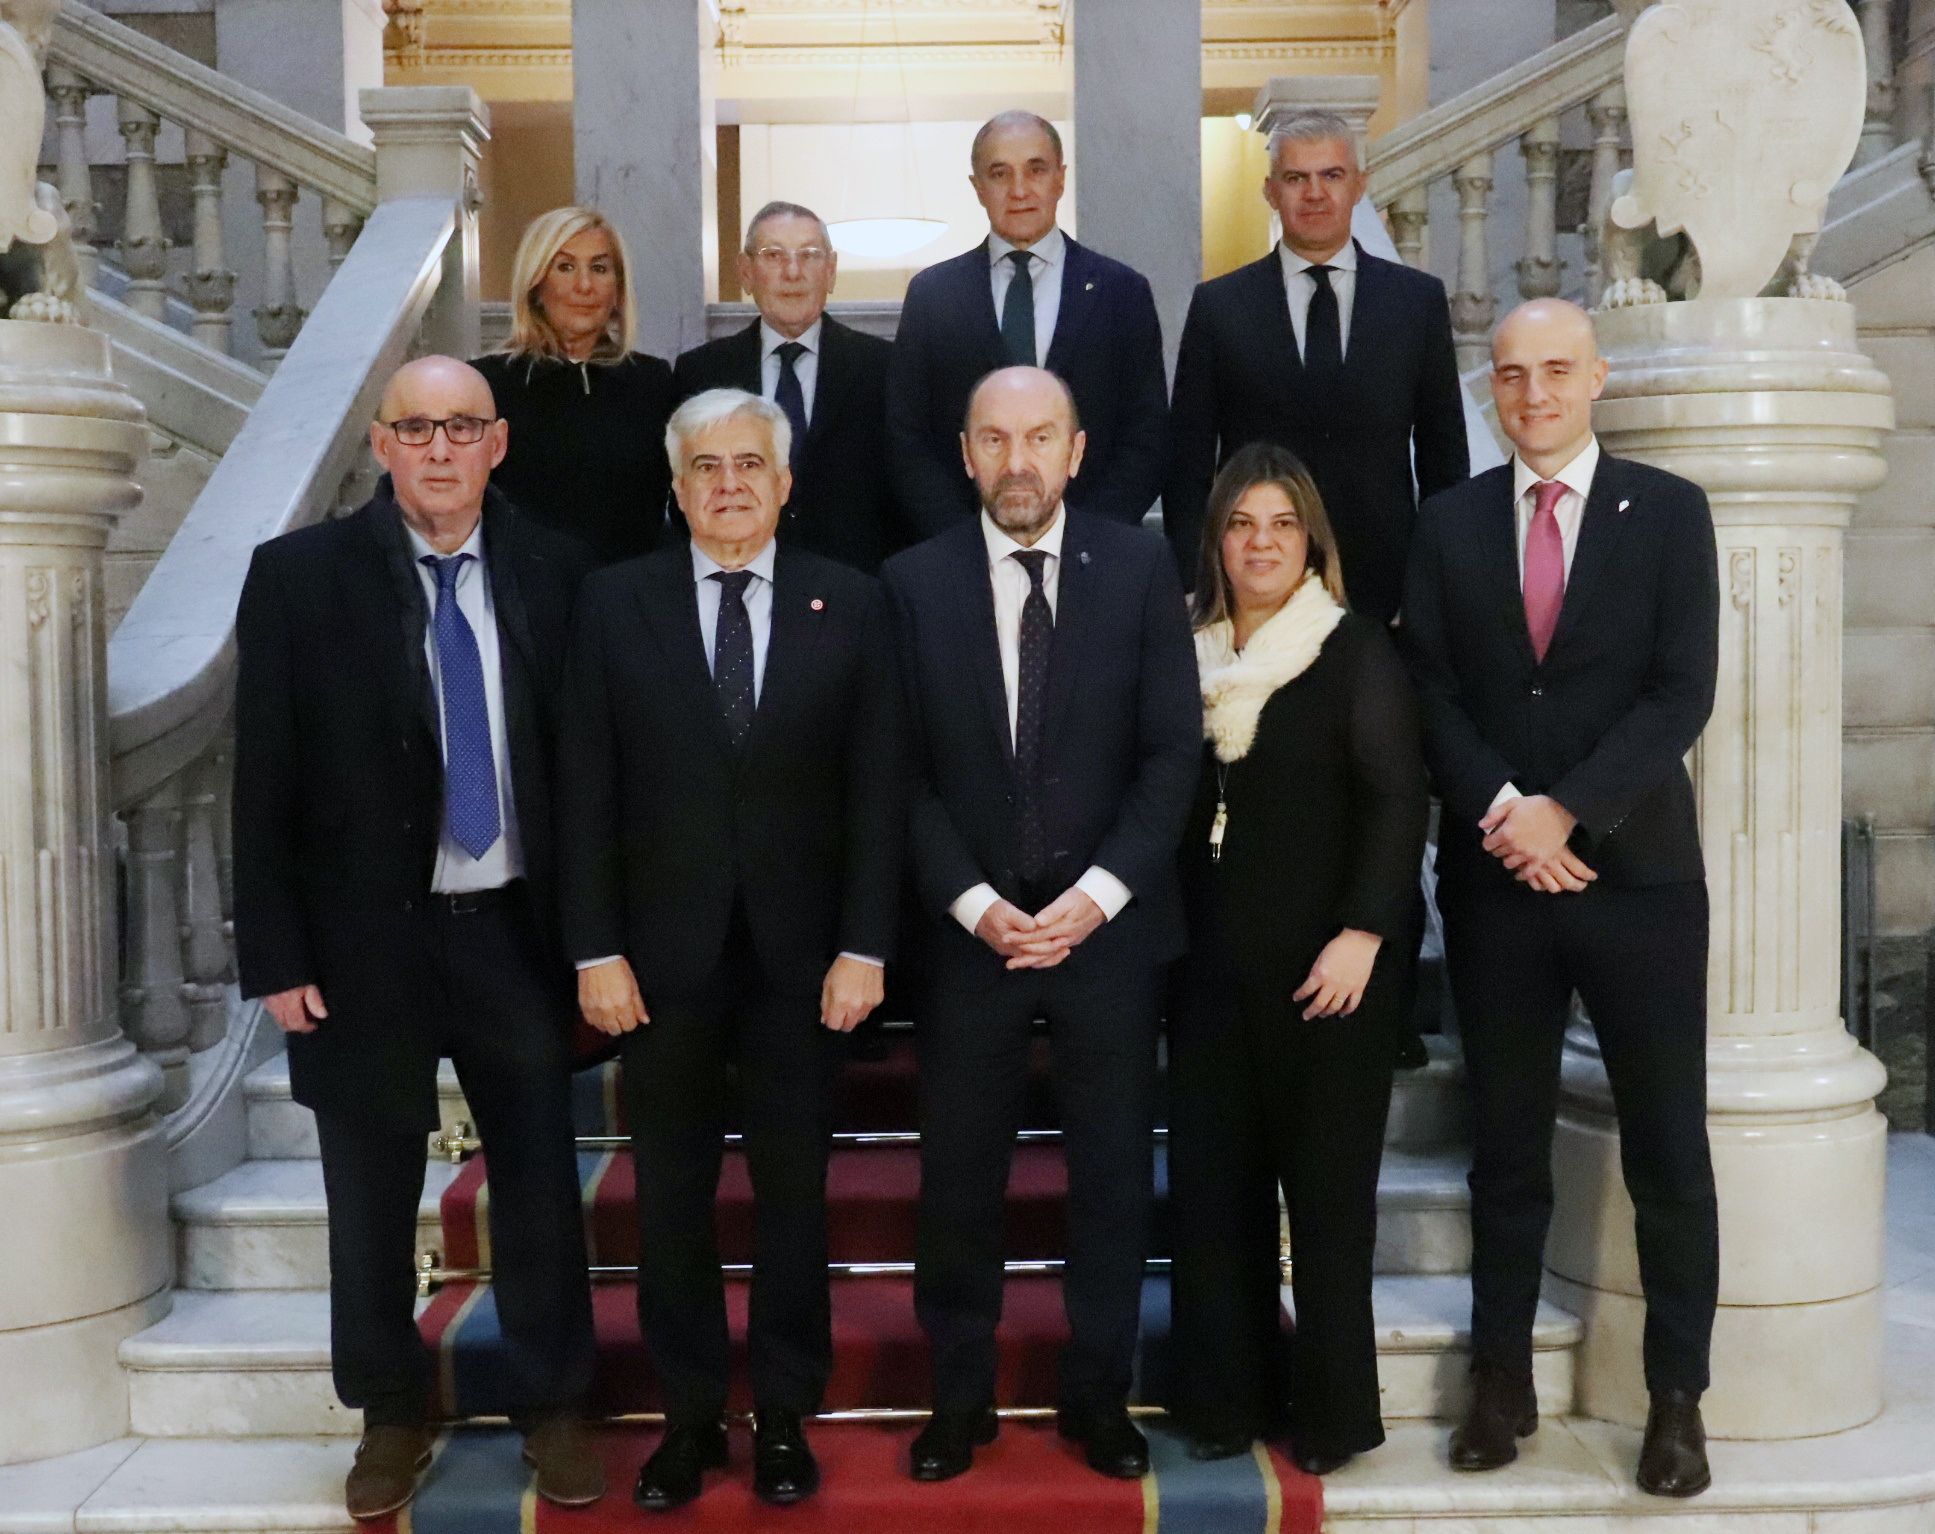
pixel 1107 346
pixel 1240 379
pixel 1604 723
pixel 339 786
pixel 662 826
pixel 1120 739
pixel 842 504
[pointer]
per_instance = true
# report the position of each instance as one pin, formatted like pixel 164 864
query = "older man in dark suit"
pixel 395 882
pixel 1056 726
pixel 1562 615
pixel 1322 348
pixel 828 378
pixel 1028 295
pixel 731 830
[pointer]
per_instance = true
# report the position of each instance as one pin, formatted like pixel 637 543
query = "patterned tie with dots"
pixel 732 654
pixel 1544 589
pixel 790 396
pixel 1037 632
pixel 470 809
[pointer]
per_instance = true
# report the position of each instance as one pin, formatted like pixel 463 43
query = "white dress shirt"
pixel 457 872
pixel 1046 258
pixel 1299 287
pixel 806 366
pixel 1011 586
pixel 1570 513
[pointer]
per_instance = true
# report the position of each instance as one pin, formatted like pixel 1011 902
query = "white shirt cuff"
pixel 1505 796
pixel 971 905
pixel 864 958
pixel 1107 891
pixel 594 963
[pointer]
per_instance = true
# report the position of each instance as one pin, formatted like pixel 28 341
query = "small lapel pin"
pixel 817 605
pixel 1624 504
pixel 1088 287
pixel 1082 558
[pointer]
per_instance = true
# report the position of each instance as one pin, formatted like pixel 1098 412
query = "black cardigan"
pixel 587 450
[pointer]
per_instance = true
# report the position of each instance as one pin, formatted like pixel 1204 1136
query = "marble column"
pixel 1138 144
pixel 642 130
pixel 83 1161
pixel 1771 406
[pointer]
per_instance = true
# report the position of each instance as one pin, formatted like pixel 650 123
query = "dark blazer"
pixel 1604 723
pixel 1119 742
pixel 1240 379
pixel 339 786
pixel 842 503
pixel 662 826
pixel 1107 346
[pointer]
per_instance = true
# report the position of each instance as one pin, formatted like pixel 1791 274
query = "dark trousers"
pixel 971 1046
pixel 1259 1098
pixel 1637 958
pixel 500 1026
pixel 676 1087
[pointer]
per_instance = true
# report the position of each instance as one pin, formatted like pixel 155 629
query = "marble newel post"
pixel 83 1162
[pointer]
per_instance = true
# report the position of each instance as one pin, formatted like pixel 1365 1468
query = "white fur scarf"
pixel 1235 687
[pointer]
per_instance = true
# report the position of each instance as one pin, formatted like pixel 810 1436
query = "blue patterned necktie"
pixel 732 654
pixel 1018 313
pixel 1031 698
pixel 470 810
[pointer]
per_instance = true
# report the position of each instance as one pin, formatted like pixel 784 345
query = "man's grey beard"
pixel 1013 520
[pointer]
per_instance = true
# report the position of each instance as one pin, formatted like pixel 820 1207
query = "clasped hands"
pixel 1045 939
pixel 610 1000
pixel 1528 835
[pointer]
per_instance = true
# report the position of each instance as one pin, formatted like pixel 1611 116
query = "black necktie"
pixel 1323 339
pixel 789 396
pixel 1018 313
pixel 732 654
pixel 1037 631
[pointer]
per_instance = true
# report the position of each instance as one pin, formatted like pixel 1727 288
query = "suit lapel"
pixel 836 377
pixel 1077 303
pixel 1371 313
pixel 1497 553
pixel 981 641
pixel 518 658
pixel 411 672
pixel 1274 330
pixel 745 360
pixel 1600 527
pixel 795 635
pixel 1075 598
pixel 669 601
pixel 976 273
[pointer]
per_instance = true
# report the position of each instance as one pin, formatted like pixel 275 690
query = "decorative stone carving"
pixel 39 279
pixel 1744 113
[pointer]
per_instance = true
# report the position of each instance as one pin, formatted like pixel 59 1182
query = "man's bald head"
pixel 1546 372
pixel 1022 444
pixel 439 483
pixel 446 380
pixel 1035 386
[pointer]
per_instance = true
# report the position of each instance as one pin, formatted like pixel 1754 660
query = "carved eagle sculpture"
pixel 38 274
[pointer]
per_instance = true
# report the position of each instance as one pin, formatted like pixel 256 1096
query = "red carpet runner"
pixel 1030 1483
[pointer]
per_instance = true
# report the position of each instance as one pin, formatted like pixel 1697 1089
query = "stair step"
pixel 263 1225
pixel 257 1363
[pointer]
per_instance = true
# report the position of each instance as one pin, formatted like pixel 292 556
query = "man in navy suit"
pixel 1562 615
pixel 1028 296
pixel 1324 349
pixel 1055 728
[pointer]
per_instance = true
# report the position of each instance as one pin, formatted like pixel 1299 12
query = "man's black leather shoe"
pixel 945 1447
pixel 784 1470
pixel 1501 1412
pixel 675 1473
pixel 1213 1443
pixel 1111 1443
pixel 1673 1455
pixel 1314 1461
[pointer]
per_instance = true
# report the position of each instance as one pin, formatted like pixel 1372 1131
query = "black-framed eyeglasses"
pixel 461 430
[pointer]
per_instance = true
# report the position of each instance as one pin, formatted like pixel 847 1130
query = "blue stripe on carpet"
pixel 1223 1496
pixel 477 1359
pixel 477 1485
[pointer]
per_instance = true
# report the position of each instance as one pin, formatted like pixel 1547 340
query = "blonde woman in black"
pixel 1300 859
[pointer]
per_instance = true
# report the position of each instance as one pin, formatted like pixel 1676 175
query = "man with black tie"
pixel 830 379
pixel 1026 296
pixel 1323 348
pixel 731 824
pixel 395 714
pixel 1562 615
pixel 1055 726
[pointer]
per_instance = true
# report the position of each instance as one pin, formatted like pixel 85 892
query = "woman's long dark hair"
pixel 1261 463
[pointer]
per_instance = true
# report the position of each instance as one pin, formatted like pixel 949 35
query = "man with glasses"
pixel 395 903
pixel 829 379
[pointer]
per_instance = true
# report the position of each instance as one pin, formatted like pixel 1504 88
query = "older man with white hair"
pixel 730 832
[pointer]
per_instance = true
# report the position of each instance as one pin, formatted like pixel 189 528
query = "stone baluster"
pixel 340 226
pixel 223 766
pixel 1607 114
pixel 1538 268
pixel 211 285
pixel 1409 216
pixel 205 962
pixel 83 1158
pixel 1472 307
pixel 154 1009
pixel 1878 130
pixel 279 317
pixel 144 248
pixel 69 93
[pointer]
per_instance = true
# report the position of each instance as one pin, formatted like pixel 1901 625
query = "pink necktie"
pixel 1544 568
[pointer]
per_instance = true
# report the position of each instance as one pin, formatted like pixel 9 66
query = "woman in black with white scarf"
pixel 1300 858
